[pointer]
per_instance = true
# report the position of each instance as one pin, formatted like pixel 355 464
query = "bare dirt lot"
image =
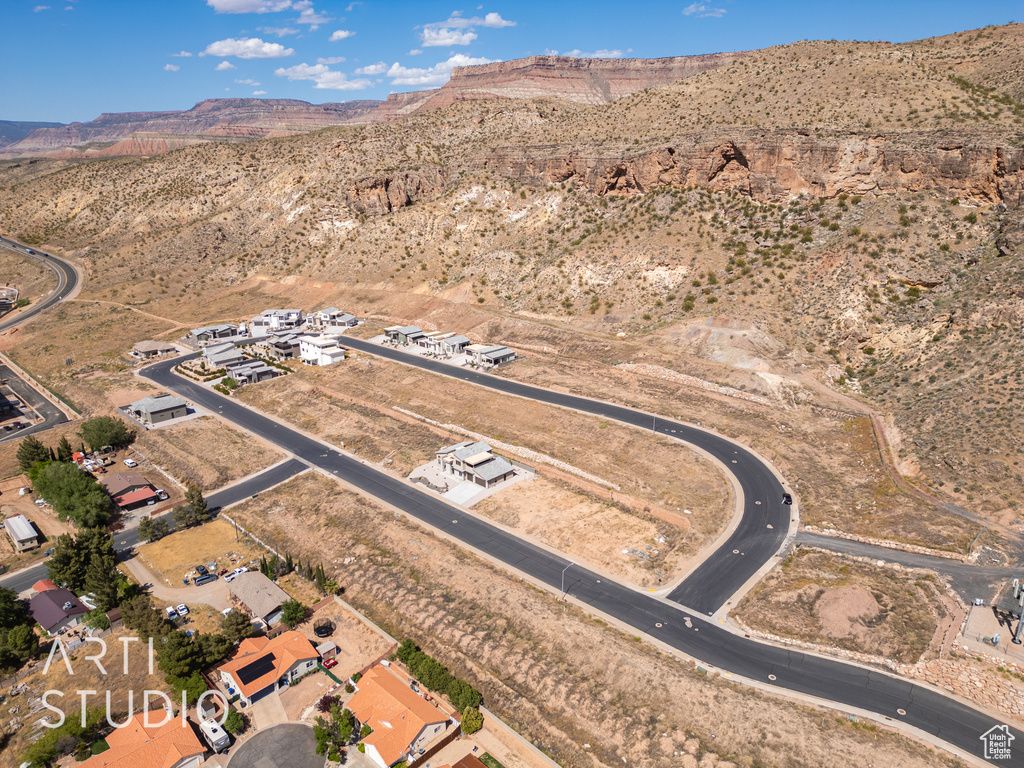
pixel 554 674
pixel 831 600
pixel 352 403
pixel 358 644
pixel 45 521
pixel 588 529
pixel 206 452
pixel 175 555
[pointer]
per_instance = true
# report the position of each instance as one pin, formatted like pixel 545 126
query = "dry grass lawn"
pixel 172 557
pixel 206 452
pixel 827 599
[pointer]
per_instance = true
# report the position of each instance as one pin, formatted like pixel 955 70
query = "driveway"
pixel 268 712
pixel 214 594
pixel 291 745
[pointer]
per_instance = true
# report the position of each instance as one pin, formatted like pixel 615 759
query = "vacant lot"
pixel 206 452
pixel 172 557
pixel 827 599
pixel 32 279
pixel 358 644
pixel 352 403
pixel 589 529
pixel 557 676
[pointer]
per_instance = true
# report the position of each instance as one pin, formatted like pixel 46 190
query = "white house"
pixel 283 319
pixel 320 350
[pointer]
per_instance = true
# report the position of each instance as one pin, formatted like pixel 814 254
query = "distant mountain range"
pixel 588 81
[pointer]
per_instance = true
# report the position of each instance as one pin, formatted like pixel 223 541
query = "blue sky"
pixel 70 60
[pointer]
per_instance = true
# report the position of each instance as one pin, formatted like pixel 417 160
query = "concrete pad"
pixel 462 493
pixel 268 712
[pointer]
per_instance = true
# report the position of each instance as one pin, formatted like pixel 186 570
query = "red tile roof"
pixel 142 494
pixel 43 585
pixel 288 649
pixel 136 746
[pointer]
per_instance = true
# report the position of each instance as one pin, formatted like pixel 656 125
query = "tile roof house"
pixel 402 720
pixel 130 490
pixel 43 585
pixel 260 666
pixel 22 533
pixel 56 609
pixel 475 462
pixel 156 409
pixel 259 596
pixel 171 745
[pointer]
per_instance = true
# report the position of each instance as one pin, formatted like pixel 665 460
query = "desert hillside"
pixel 827 223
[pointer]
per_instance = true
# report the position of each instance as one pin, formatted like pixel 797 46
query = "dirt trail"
pixel 128 306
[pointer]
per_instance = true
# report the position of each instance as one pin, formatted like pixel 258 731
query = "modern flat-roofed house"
pixel 490 355
pixel 158 408
pixel 404 334
pixel 282 346
pixel 56 609
pixel 261 666
pixel 258 596
pixel 259 327
pixel 320 350
pixel 209 333
pixel 252 371
pixel 222 355
pixel 171 744
pixel 403 722
pixel 283 319
pixel 332 317
pixel 22 533
pixel 453 345
pixel 475 462
pixel 148 348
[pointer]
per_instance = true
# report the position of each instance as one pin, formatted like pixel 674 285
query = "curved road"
pixel 829 680
pixel 67 280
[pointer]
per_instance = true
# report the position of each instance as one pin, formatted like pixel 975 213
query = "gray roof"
pixel 454 340
pixel 405 330
pixel 471 450
pixel 48 608
pixel 453 448
pixel 496 352
pixel 258 593
pixel 329 311
pixel 496 467
pixel 155 404
pixel 20 528
pixel 213 328
pixel 228 355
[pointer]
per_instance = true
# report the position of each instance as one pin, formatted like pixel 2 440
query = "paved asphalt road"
pixel 125 540
pixel 970 581
pixel 67 279
pixel 827 679
pixel 52 415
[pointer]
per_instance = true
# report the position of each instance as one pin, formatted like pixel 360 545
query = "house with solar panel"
pixel 262 666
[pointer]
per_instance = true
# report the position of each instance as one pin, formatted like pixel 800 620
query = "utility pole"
pixel 570 565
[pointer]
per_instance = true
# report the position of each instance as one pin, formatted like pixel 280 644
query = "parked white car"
pixel 131 463
pixel 171 613
pixel 183 610
pixel 231 576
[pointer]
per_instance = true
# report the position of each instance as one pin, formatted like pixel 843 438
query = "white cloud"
pixel 435 75
pixel 182 54
pixel 331 60
pixel 603 53
pixel 279 31
pixel 415 51
pixel 340 34
pixel 39 8
pixel 224 66
pixel 351 6
pixel 248 81
pixel 247 48
pixel 458 29
pixel 703 11
pixel 324 77
pixel 171 67
pixel 373 69
pixel 308 15
pixel 249 6
pixel 69 7
pixel 259 93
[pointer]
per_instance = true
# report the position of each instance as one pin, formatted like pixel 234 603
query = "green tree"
pixel 12 610
pixel 182 517
pixel 236 626
pixel 214 647
pixel 31 452
pixel 102 431
pixel 73 494
pixel 293 613
pixel 97 619
pixel 63 740
pixel 196 504
pixel 102 580
pixel 472 720
pixel 146 529
pixel 68 563
pixel 17 646
pixel 64 450
pixel 193 686
pixel 138 614
pixel 179 656
pixel 334 733
pixel 234 723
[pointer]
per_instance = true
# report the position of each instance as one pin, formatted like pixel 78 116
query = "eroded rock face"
pixel 767 164
pixel 376 195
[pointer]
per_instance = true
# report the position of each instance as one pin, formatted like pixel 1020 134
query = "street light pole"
pixel 570 565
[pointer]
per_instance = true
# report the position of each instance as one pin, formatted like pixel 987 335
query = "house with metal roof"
pixel 21 532
pixel 260 666
pixel 56 609
pixel 332 317
pixel 453 345
pixel 209 333
pixel 490 354
pixel 252 371
pixel 404 334
pixel 475 462
pixel 157 408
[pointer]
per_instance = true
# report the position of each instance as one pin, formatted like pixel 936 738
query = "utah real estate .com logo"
pixel 997 742
pixel 165 710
